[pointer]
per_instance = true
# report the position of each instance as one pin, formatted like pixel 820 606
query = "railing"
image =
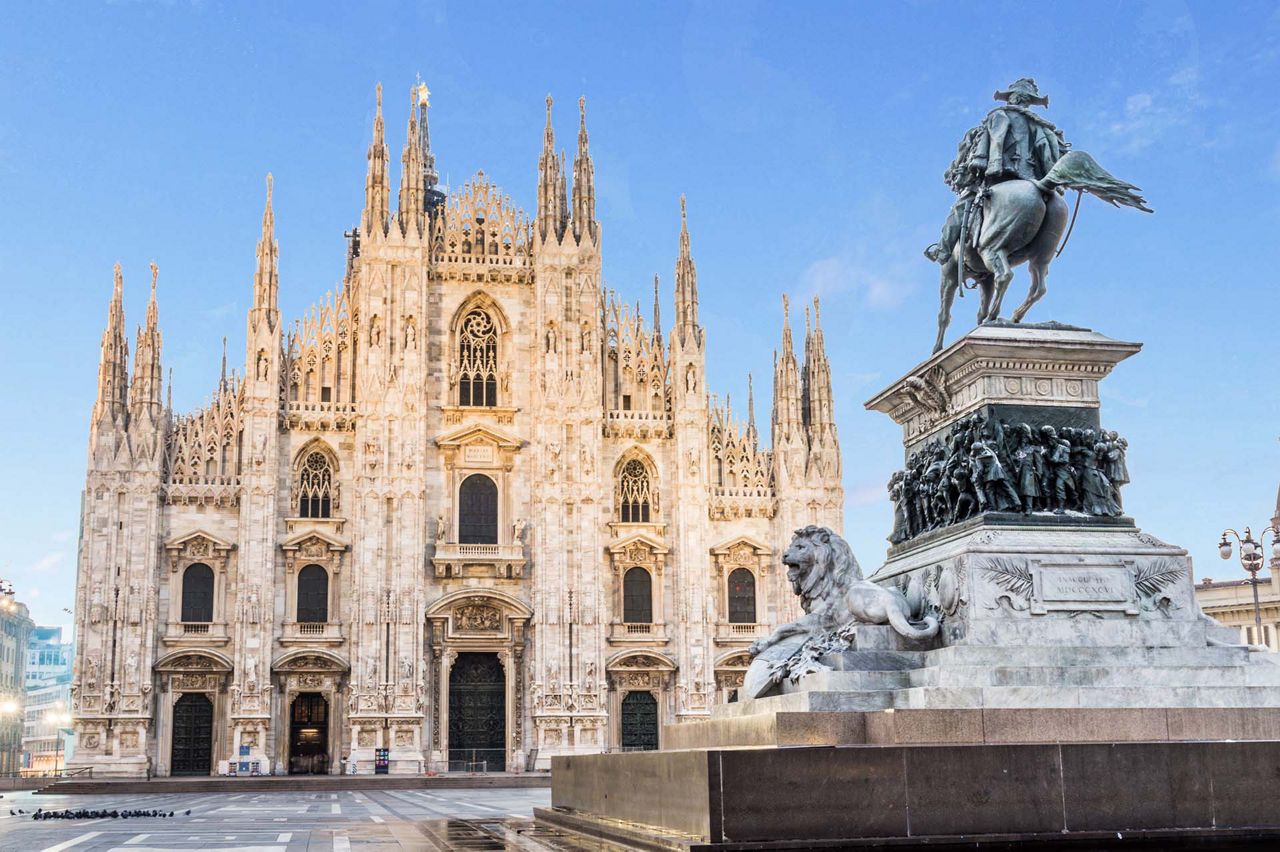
pixel 740 629
pixel 315 407
pixel 191 628
pixel 635 629
pixel 453 550
pixel 638 416
pixel 311 628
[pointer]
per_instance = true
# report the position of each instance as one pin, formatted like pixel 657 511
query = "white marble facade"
pixel 464 451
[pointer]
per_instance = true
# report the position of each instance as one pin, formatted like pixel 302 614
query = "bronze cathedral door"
pixel 477 713
pixel 192 735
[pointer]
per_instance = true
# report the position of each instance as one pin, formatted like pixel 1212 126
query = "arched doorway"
pixel 192 752
pixel 477 713
pixel 309 735
pixel 639 722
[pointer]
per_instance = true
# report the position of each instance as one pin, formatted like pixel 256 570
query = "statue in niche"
pixel 131 670
pixel 135 603
pixel 263 365
pixel 251 673
pixel 825 575
pixel 442 529
pixel 91 673
pixel 517 530
pixel 375 331
pixel 410 334
pixel 96 608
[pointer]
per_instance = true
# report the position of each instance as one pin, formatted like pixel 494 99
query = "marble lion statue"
pixel 834 595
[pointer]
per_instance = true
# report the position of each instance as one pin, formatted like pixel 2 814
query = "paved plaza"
pixel 477 819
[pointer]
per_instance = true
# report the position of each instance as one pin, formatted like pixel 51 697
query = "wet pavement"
pixel 439 819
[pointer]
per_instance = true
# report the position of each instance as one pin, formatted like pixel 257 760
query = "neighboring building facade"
pixel 1231 602
pixel 471 506
pixel 46 739
pixel 15 631
pixel 48 656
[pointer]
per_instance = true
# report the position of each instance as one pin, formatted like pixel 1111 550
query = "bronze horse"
pixel 1023 221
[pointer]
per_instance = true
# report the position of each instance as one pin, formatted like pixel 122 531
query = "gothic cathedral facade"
pixel 470 511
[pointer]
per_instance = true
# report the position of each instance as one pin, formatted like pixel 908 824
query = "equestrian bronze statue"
pixel 1010 172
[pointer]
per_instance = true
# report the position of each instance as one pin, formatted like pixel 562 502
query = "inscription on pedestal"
pixel 1084 584
pixel 1083 588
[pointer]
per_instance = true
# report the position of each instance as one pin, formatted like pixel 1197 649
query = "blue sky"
pixel 810 140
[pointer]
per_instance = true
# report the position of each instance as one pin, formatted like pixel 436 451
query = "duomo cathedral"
pixel 469 512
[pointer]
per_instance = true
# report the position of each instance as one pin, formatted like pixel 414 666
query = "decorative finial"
pixel 786 306
pixel 119 276
pixel 548 108
pixel 582 110
pixel 683 217
pixel 378 90
pixel 270 181
pixel 817 312
pixel 424 94
pixel 155 273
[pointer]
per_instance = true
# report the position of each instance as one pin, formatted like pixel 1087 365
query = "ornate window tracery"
pixel 316 497
pixel 635 493
pixel 478 360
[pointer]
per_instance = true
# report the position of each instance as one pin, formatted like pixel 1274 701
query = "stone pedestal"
pixel 1073 688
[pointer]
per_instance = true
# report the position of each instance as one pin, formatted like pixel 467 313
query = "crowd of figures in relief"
pixel 988 465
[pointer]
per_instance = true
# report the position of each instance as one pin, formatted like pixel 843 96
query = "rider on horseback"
pixel 1011 143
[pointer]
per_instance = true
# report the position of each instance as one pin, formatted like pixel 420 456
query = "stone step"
pixel 941 697
pixel 1031 655
pixel 856 681
pixel 1096 676
pixel 809 701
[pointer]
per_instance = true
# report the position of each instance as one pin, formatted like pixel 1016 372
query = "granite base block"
pixel 790 797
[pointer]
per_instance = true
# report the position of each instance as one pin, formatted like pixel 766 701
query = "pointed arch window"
pixel 635 493
pixel 742 597
pixel 478 360
pixel 197 593
pixel 315 487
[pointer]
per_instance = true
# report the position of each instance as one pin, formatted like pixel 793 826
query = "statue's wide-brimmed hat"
pixel 1025 87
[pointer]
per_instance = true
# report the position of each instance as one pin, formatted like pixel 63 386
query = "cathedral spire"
pixel 752 435
pixel 787 421
pixel 584 183
pixel 377 190
pixel 409 213
pixel 144 393
pixel 266 278
pixel 113 370
pixel 552 210
pixel 432 197
pixel 819 409
pixel 686 284
pixel 657 311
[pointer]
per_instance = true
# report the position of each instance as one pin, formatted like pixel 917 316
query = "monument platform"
pixel 1027 665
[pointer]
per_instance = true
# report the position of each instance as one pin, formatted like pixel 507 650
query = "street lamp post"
pixel 1251 560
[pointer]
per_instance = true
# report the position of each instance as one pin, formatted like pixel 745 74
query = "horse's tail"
pixel 898 620
pixel 1078 170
